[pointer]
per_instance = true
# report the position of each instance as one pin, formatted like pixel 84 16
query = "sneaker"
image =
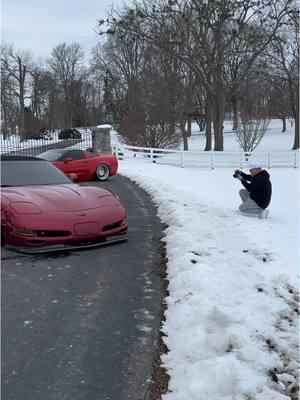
pixel 247 214
pixel 263 214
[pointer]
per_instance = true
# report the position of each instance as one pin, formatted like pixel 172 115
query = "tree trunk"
pixel 21 116
pixel 208 127
pixel 185 141
pixel 218 135
pixel 22 76
pixel 218 113
pixel 184 135
pixel 218 94
pixel 283 119
pixel 235 113
pixel 172 125
pixel 202 124
pixel 189 129
pixel 4 127
pixel 296 118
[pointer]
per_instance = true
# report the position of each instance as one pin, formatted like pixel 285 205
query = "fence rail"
pixel 179 158
pixel 207 159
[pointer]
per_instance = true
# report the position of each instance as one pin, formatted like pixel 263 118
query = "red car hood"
pixel 61 197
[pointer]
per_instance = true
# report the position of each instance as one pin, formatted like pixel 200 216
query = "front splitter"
pixel 67 247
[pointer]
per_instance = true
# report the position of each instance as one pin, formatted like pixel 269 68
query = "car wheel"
pixel 102 172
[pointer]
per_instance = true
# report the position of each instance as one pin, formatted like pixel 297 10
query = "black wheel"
pixel 102 172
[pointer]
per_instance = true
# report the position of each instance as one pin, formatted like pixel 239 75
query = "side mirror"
pixel 68 160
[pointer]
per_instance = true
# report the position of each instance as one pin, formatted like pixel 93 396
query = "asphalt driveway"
pixel 84 325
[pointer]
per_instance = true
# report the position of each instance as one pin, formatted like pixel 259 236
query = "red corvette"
pixel 42 210
pixel 84 164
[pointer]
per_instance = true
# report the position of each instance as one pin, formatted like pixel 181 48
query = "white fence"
pixel 207 159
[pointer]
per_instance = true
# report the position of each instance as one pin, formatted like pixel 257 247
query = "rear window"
pixel 53 155
pixel 28 173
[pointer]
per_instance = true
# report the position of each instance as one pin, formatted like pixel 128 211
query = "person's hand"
pixel 237 174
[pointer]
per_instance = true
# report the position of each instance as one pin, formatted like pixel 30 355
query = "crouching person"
pixel 258 190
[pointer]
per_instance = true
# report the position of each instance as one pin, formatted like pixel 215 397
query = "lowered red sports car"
pixel 82 164
pixel 42 210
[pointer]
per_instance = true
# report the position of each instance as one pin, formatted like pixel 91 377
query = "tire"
pixel 102 172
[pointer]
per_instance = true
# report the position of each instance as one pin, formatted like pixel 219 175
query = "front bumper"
pixel 66 230
pixel 76 245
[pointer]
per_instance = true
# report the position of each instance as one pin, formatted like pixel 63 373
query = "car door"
pixel 75 162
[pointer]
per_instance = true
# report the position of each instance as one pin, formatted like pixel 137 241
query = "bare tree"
pixel 66 63
pixel 177 81
pixel 109 91
pixel 17 64
pixel 284 58
pixel 40 81
pixel 253 120
pixel 215 28
pixel 153 122
pixel 279 104
pixel 9 114
pixel 250 132
pixel 202 34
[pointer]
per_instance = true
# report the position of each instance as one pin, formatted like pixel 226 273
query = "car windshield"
pixel 52 155
pixel 28 173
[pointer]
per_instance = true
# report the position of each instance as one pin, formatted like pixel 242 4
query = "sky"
pixel 39 26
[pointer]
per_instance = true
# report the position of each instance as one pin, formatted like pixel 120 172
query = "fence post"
pixel 120 153
pixel 181 159
pixel 151 155
pixel 101 142
pixel 241 161
pixel 212 160
pixel 117 152
pixel 296 159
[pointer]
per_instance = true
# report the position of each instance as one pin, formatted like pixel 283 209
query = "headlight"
pixel 23 207
pixel 23 232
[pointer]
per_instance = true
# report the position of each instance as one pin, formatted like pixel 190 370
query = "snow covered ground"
pixel 232 318
pixel 273 140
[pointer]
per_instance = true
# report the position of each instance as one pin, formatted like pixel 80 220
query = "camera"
pixel 236 173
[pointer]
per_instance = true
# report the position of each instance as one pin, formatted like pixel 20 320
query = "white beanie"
pixel 255 164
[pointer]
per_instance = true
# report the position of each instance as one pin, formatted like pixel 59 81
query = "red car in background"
pixel 82 163
pixel 42 210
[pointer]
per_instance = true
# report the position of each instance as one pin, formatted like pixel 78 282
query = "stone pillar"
pixel 101 139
